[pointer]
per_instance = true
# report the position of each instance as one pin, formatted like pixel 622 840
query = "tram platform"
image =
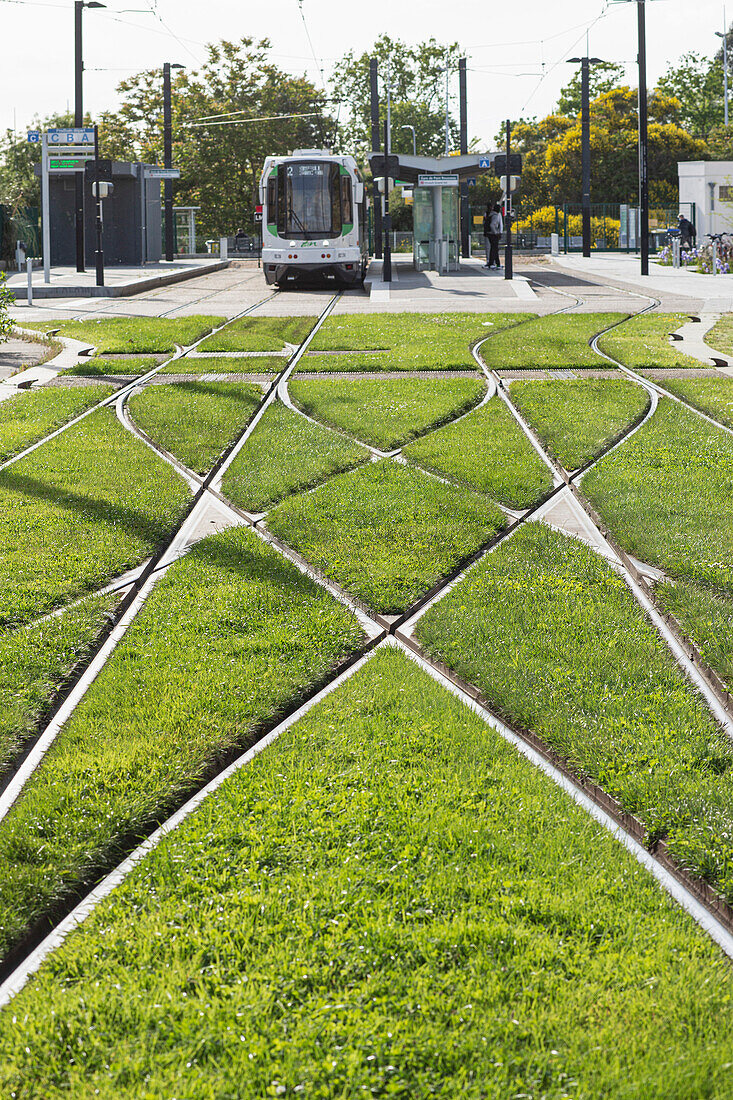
pixel 471 281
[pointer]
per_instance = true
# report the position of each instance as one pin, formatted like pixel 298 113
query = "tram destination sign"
pixel 162 173
pixel 67 164
pixel 437 181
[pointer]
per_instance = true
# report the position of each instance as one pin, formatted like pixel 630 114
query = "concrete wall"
pixel 701 182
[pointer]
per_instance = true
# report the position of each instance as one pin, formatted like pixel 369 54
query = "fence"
pixel 19 225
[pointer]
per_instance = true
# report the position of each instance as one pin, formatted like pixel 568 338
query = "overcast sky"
pixel 516 51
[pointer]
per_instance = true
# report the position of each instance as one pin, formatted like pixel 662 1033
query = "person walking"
pixel 687 232
pixel 493 228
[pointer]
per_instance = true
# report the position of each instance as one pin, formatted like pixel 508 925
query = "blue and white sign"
pixel 471 182
pixel 78 136
pixel 485 162
pixel 34 136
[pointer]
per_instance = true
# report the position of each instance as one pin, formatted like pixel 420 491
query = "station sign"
pixel 162 173
pixel 79 136
pixel 67 164
pixel 437 181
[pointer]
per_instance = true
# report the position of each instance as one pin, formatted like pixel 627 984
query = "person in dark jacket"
pixel 493 228
pixel 687 232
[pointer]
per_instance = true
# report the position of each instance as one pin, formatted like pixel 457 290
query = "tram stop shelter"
pixel 435 206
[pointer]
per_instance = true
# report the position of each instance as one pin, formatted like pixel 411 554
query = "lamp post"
pixel 168 157
pixel 79 6
pixel 643 133
pixel 585 64
pixel 414 141
pixel 724 36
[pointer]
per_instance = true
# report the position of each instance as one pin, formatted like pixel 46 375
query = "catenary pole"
pixel 78 122
pixel 376 142
pixel 99 253
pixel 643 140
pixel 387 265
pixel 508 258
pixel 465 212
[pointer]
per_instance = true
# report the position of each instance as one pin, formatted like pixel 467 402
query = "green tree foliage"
pixel 697 82
pixel 6 299
pixel 417 78
pixel 19 186
pixel 604 77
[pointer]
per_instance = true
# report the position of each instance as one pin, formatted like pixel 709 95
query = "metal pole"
pixel 167 161
pixel 725 65
pixel 29 272
pixel 376 142
pixel 99 253
pixel 387 265
pixel 585 127
pixel 508 258
pixel 45 210
pixel 78 122
pixel 643 140
pixel 465 212
pixel 447 135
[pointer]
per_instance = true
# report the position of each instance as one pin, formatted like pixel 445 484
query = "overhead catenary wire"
pixel 264 118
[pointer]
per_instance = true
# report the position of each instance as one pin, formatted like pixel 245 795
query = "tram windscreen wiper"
pixel 292 216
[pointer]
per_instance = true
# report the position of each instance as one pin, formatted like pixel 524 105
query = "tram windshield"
pixel 309 200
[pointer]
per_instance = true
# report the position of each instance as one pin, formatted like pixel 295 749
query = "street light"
pixel 724 36
pixel 585 64
pixel 414 142
pixel 168 157
pixel 79 6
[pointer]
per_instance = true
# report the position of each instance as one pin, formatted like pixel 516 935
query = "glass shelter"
pixel 436 225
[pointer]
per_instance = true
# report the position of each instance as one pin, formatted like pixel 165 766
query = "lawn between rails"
pixel 642 343
pixel 668 498
pixel 390 901
pixel 557 645
pixel 133 335
pixel 28 417
pixel 79 511
pixel 402 341
pixel 230 639
pixel 555 341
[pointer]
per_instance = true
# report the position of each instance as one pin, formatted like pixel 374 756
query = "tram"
pixel 314 219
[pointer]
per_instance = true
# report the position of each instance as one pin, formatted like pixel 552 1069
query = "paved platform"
pixel 677 288
pixel 120 281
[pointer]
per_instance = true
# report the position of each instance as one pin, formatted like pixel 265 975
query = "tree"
pixel 604 77
pixel 19 186
pixel 697 83
pixel 417 77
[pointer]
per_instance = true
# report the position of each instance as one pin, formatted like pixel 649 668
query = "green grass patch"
pixel 577 420
pixel 81 509
pixel 554 342
pixel 29 416
pixel 127 364
pixel 255 364
pixel 260 334
pixel 196 421
pixel 136 335
pixel 713 396
pixel 386 532
pixel 386 413
pixel 36 660
pixel 228 639
pixel 706 616
pixel 668 496
pixel 489 452
pixel 284 455
pixel 403 341
pixel 720 336
pixel 643 343
pixel 388 902
pixel 556 643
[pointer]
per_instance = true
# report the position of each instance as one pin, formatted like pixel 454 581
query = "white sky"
pixel 505 52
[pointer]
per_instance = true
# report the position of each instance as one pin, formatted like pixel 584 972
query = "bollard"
pixel 555 244
pixel 676 249
pixel 29 269
pixel 223 248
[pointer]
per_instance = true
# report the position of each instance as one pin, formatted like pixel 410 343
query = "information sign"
pixel 79 136
pixel 66 164
pixel 437 181
pixel 162 173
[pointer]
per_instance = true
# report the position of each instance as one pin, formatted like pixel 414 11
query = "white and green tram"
pixel 314 219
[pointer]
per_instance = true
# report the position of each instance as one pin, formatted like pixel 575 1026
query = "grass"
pixel 78 511
pixel 576 421
pixel 256 364
pixel 554 342
pixel 260 334
pixel 386 532
pixel 34 663
pixel 128 364
pixel 29 416
pixel 181 690
pixel 284 455
pixel 668 496
pixel 706 615
pixel 713 396
pixel 386 413
pixel 642 343
pixel 721 335
pixel 388 902
pixel 136 335
pixel 402 341
pixel 556 643
pixel 489 452
pixel 196 421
